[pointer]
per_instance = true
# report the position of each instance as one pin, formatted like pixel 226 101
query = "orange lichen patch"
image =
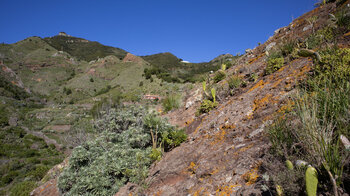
pixel 286 107
pixel 226 190
pixel 281 69
pixel 219 137
pixel 200 125
pixel 243 149
pixel 298 22
pixel 159 193
pixel 189 121
pixel 256 58
pixel 201 191
pixel 191 169
pixel 260 85
pixel 47 186
pixel 259 103
pixel 13 82
pixel 277 83
pixel 216 170
pixel 252 175
pixel 230 127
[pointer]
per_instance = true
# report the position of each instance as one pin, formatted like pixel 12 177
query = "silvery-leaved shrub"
pixel 121 152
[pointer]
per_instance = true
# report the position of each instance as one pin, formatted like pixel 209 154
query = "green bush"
pixel 325 35
pixel 103 90
pixel 6 179
pixel 287 47
pixel 206 106
pixel 16 146
pixel 320 115
pixel 22 188
pixel 3 116
pixel 273 64
pixel 122 152
pixel 39 172
pixel 219 75
pixel 234 82
pixel 172 101
pixel 156 154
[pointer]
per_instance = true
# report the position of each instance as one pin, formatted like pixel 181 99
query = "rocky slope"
pixel 226 147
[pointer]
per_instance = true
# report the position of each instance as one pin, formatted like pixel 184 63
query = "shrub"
pixel 68 91
pixel 104 90
pixel 156 154
pixel 122 152
pixel 39 172
pixel 219 75
pixel 287 47
pixel 171 102
pixel 273 64
pixel 234 82
pixel 320 116
pixel 325 35
pixel 206 106
pixel 3 116
pixel 22 188
pixel 6 179
pixel 253 77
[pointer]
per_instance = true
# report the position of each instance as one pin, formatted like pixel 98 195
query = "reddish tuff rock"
pixel 132 58
pixel 50 188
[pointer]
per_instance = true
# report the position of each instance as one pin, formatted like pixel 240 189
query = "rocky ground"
pixel 226 147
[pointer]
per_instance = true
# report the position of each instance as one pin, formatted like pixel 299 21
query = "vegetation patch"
pixel 171 102
pixel 28 158
pixel 320 118
pixel 273 64
pixel 130 140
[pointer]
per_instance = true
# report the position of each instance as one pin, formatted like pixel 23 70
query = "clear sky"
pixel 194 30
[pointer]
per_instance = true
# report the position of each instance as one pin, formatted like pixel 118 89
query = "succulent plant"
pixel 289 165
pixel 311 181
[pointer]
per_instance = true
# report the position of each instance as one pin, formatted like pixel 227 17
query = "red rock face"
pixel 132 58
pixel 47 189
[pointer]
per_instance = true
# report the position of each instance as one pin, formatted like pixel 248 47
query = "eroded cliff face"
pixel 226 147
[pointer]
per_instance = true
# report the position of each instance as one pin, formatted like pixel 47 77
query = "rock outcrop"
pixel 226 147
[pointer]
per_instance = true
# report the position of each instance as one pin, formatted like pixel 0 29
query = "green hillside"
pixel 168 67
pixel 82 48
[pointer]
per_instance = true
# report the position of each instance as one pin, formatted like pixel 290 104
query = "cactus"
pixel 279 190
pixel 205 89
pixel 223 67
pixel 213 93
pixel 289 165
pixel 311 181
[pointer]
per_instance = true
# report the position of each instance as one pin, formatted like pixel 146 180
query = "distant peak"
pixel 64 34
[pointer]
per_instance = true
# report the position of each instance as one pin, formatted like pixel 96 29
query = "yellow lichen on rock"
pixel 252 175
pixel 260 85
pixel 226 190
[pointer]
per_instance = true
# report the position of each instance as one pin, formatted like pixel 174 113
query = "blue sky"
pixel 194 30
